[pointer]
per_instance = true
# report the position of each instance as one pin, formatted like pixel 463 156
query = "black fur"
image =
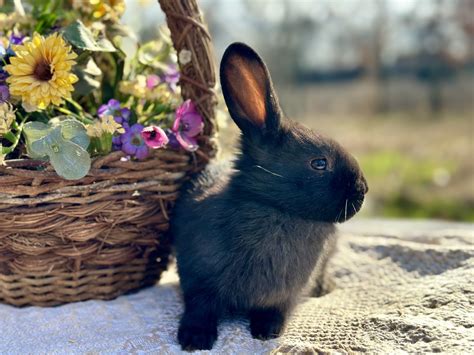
pixel 248 239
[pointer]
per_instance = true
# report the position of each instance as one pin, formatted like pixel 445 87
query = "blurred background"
pixel 392 80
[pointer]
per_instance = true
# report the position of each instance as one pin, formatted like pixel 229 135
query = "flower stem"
pixel 75 115
pixel 15 137
pixel 75 104
pixel 10 137
pixel 145 119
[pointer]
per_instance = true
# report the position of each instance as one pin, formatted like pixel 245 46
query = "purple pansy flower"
pixel 3 76
pixel 16 39
pixel 121 115
pixel 187 125
pixel 133 142
pixel 171 76
pixel 154 137
pixel 172 141
pixel 125 112
pixel 109 108
pixel 4 93
pixel 117 143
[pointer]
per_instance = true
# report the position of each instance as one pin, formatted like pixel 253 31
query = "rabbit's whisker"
pixel 268 171
pixel 338 216
pixel 345 212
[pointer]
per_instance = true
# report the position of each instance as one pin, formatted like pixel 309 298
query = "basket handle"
pixel 192 42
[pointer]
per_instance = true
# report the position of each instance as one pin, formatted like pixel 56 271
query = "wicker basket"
pixel 104 235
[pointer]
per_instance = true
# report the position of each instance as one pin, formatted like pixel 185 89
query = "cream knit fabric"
pixel 396 287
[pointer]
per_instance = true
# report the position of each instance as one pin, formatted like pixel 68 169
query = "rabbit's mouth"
pixel 353 201
pixel 349 209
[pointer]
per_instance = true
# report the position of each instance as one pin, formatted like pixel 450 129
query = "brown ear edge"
pixel 246 80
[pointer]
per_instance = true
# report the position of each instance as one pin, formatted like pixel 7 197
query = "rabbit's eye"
pixel 319 164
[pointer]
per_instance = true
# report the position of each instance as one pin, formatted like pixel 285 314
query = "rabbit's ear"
pixel 248 91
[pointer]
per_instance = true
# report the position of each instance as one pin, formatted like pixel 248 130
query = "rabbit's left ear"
pixel 248 91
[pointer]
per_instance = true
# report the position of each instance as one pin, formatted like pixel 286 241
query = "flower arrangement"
pixel 75 85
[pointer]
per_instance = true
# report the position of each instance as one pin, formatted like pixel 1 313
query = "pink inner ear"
pixel 246 80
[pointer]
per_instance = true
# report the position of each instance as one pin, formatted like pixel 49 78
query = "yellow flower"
pixel 101 9
pixel 108 9
pixel 107 124
pixel 7 21
pixel 40 73
pixel 138 88
pixel 7 116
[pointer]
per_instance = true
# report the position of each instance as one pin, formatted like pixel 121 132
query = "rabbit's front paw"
pixel 192 337
pixel 266 323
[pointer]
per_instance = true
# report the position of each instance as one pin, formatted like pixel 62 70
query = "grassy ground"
pixel 420 167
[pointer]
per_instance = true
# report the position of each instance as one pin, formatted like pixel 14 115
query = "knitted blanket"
pixel 394 287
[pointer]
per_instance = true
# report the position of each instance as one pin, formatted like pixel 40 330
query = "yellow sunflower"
pixel 40 73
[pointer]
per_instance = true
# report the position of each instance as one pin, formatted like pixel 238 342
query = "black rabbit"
pixel 247 239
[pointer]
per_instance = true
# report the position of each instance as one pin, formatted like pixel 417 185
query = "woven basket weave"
pixel 99 237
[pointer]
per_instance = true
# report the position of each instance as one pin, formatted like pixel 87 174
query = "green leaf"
pixel 36 130
pixel 38 149
pixel 91 68
pixel 34 133
pixel 75 132
pixel 113 69
pixel 153 54
pixel 68 159
pixel 64 143
pixel 106 45
pixel 85 85
pixel 121 30
pixel 81 37
pixel 89 78
pixel 45 21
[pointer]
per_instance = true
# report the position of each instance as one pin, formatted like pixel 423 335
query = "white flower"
pixel 185 56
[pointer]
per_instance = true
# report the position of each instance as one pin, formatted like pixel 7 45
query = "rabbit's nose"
pixel 362 185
